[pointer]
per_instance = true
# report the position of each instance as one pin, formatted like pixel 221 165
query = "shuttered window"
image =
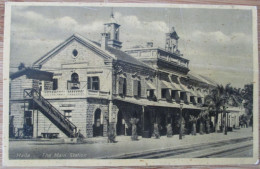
pixel 120 85
pixel 48 85
pixel 137 88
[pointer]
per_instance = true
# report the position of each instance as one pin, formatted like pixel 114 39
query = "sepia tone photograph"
pixel 108 83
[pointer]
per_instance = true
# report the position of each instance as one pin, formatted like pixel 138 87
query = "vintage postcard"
pixel 130 84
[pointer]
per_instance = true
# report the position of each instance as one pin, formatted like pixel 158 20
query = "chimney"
pixel 149 44
pixel 104 39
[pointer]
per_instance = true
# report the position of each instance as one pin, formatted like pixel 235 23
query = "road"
pixel 238 143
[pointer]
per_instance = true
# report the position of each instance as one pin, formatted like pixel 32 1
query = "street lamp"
pixel 180 134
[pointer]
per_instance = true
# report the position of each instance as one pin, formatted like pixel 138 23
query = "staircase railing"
pixel 35 95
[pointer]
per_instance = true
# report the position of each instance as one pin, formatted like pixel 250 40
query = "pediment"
pixel 74 40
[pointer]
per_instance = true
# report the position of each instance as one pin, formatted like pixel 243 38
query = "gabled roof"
pixel 32 74
pixel 84 41
pixel 110 53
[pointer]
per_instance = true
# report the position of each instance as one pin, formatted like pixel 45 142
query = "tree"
pixel 215 100
pixel 247 94
pixel 219 100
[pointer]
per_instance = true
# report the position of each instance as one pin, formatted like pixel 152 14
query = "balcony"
pixel 77 93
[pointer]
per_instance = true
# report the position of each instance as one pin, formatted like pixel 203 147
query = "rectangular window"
pixel 163 94
pixel 137 88
pixel 199 100
pixel 173 94
pixel 55 84
pixel 151 93
pixel 192 99
pixel 28 118
pixel 182 96
pixel 48 85
pixel 93 83
pixel 122 86
pixel 67 114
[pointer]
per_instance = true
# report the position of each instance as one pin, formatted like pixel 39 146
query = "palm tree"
pixel 215 100
pixel 219 99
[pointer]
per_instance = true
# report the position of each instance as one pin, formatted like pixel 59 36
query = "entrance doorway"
pixel 147 125
pixel 97 126
pixel 28 125
pixel 120 126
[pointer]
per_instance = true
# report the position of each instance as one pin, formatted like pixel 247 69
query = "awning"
pixel 166 85
pixel 145 102
pixel 184 88
pixel 150 86
pixel 176 86
pixel 193 93
pixel 199 94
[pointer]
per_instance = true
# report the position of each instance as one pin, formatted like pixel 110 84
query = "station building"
pixel 84 86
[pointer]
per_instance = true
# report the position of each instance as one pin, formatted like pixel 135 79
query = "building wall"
pixel 64 57
pixel 131 73
pixel 82 115
pixel 18 85
pixel 78 116
pixel 17 111
pixel 86 64
pixel 91 107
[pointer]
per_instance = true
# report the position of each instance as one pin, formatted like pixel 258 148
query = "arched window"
pixel 74 82
pixel 74 78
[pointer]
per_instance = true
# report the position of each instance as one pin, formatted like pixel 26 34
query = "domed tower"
pixel 112 30
pixel 171 43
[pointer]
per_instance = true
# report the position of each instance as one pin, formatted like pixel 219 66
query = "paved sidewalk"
pixel 99 148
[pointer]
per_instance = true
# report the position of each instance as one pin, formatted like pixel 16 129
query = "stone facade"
pixel 94 86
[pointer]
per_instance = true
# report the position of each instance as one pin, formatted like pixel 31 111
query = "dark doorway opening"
pixel 97 126
pixel 28 124
pixel 147 125
pixel 120 126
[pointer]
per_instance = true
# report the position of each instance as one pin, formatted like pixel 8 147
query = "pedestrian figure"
pixel 134 121
pixel 169 130
pixel 193 120
pixel 207 126
pixel 211 126
pixel 156 130
pixel 111 134
pixel 201 127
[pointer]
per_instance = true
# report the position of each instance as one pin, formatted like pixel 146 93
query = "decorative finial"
pixel 112 14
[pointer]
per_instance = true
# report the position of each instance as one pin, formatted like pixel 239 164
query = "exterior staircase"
pixel 57 118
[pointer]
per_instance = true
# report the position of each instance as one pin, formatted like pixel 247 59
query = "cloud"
pixel 33 34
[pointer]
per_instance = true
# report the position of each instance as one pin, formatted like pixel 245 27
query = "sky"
pixel 218 42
